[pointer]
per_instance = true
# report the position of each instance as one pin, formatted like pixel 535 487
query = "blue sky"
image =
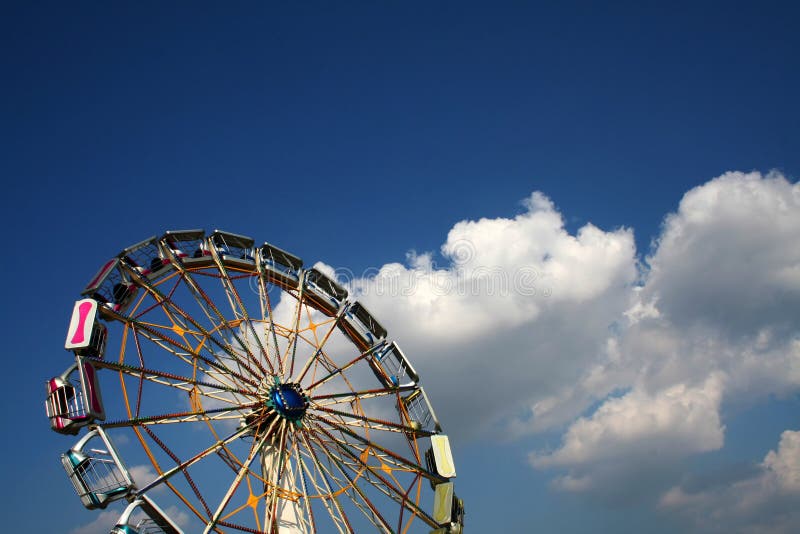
pixel 355 133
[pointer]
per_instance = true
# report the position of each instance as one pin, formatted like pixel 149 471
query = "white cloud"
pixel 520 308
pixel 714 321
pixel 673 422
pixel 101 524
pixel 765 500
pixel 631 446
pixel 729 258
pixel 784 464
pixel 144 474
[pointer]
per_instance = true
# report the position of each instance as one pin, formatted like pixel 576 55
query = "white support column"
pixel 289 513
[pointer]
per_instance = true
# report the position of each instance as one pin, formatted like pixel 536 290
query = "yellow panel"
pixel 443 456
pixel 443 503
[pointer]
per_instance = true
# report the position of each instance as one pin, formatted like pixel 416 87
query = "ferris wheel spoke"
pixel 344 486
pixel 368 473
pixel 323 492
pixel 218 392
pixel 319 347
pixel 235 484
pixel 177 417
pixel 266 304
pixel 178 381
pixel 164 340
pixel 399 495
pixel 387 464
pixel 394 497
pixel 304 488
pixel 329 499
pixel 342 369
pixel 190 360
pixel 376 424
pixel 223 345
pixel 350 396
pixel 166 475
pixel 207 304
pixel 327 492
pixel 184 470
pixel 185 473
pixel 238 308
pixel 149 331
pixel 374 516
pixel 408 464
pixel 295 332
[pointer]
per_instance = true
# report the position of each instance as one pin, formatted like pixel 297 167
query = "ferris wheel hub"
pixel 288 400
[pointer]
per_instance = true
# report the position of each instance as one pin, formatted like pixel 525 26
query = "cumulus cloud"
pixel 518 309
pixel 765 500
pixel 526 327
pixel 631 446
pixel 712 321
pixel 675 421
pixel 729 258
pixel 144 474
pixel 101 524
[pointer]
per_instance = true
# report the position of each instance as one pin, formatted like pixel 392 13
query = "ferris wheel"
pixel 247 394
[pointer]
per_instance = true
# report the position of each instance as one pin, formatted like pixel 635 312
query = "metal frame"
pixel 233 249
pixel 98 476
pixel 361 327
pixel 209 328
pixel 281 268
pixel 188 247
pixel 154 522
pixel 111 287
pixel 73 398
pixel 391 366
pixel 147 258
pixel 419 411
pixel 322 292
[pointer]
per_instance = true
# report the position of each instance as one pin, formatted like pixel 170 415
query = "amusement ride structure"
pixel 249 393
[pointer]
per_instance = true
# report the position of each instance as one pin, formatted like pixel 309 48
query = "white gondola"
pixel 188 246
pixel 361 327
pixel 392 368
pixel 98 474
pixel 419 411
pixel 147 258
pixel 322 292
pixel 439 457
pixel 143 516
pixel 86 335
pixel 111 287
pixel 448 510
pixel 280 267
pixel 73 398
pixel 234 250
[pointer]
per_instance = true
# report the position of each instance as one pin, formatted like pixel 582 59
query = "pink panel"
pixel 83 313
